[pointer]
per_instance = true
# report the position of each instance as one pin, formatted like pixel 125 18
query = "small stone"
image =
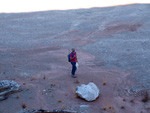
pixel 84 109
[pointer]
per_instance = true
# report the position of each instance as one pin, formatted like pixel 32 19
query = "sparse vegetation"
pixel 23 106
pixel 53 84
pixel 33 79
pixel 59 100
pixel 17 96
pixel 113 47
pixel 122 107
pixel 124 99
pixel 63 107
pixel 77 81
pixel 146 97
pixel 132 101
pixel 44 77
pixel 110 107
pixel 104 83
pixel 105 108
pixel 76 96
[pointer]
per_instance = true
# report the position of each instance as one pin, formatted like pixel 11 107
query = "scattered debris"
pixel 8 87
pixel 52 85
pixel 45 111
pixel 88 92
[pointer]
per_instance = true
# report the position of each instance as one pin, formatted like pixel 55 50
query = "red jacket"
pixel 75 57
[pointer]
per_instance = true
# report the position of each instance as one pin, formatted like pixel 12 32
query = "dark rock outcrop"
pixel 8 87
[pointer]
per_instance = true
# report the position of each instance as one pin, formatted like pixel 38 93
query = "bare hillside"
pixel 112 44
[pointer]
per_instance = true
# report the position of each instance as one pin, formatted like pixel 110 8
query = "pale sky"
pixel 7 6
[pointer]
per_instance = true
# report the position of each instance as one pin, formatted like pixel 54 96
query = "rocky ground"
pixel 112 45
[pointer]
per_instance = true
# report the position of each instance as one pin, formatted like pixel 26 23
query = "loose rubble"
pixel 45 111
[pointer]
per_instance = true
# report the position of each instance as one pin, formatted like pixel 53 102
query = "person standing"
pixel 73 60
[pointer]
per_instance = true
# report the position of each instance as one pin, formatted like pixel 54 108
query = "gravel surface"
pixel 112 45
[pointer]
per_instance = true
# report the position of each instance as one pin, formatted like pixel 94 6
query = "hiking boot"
pixel 74 76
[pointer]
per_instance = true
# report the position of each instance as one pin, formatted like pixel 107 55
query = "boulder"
pixel 8 87
pixel 88 92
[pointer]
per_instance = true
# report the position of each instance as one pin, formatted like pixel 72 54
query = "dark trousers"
pixel 74 68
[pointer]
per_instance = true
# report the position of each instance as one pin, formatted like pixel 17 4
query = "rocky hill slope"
pixel 112 45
